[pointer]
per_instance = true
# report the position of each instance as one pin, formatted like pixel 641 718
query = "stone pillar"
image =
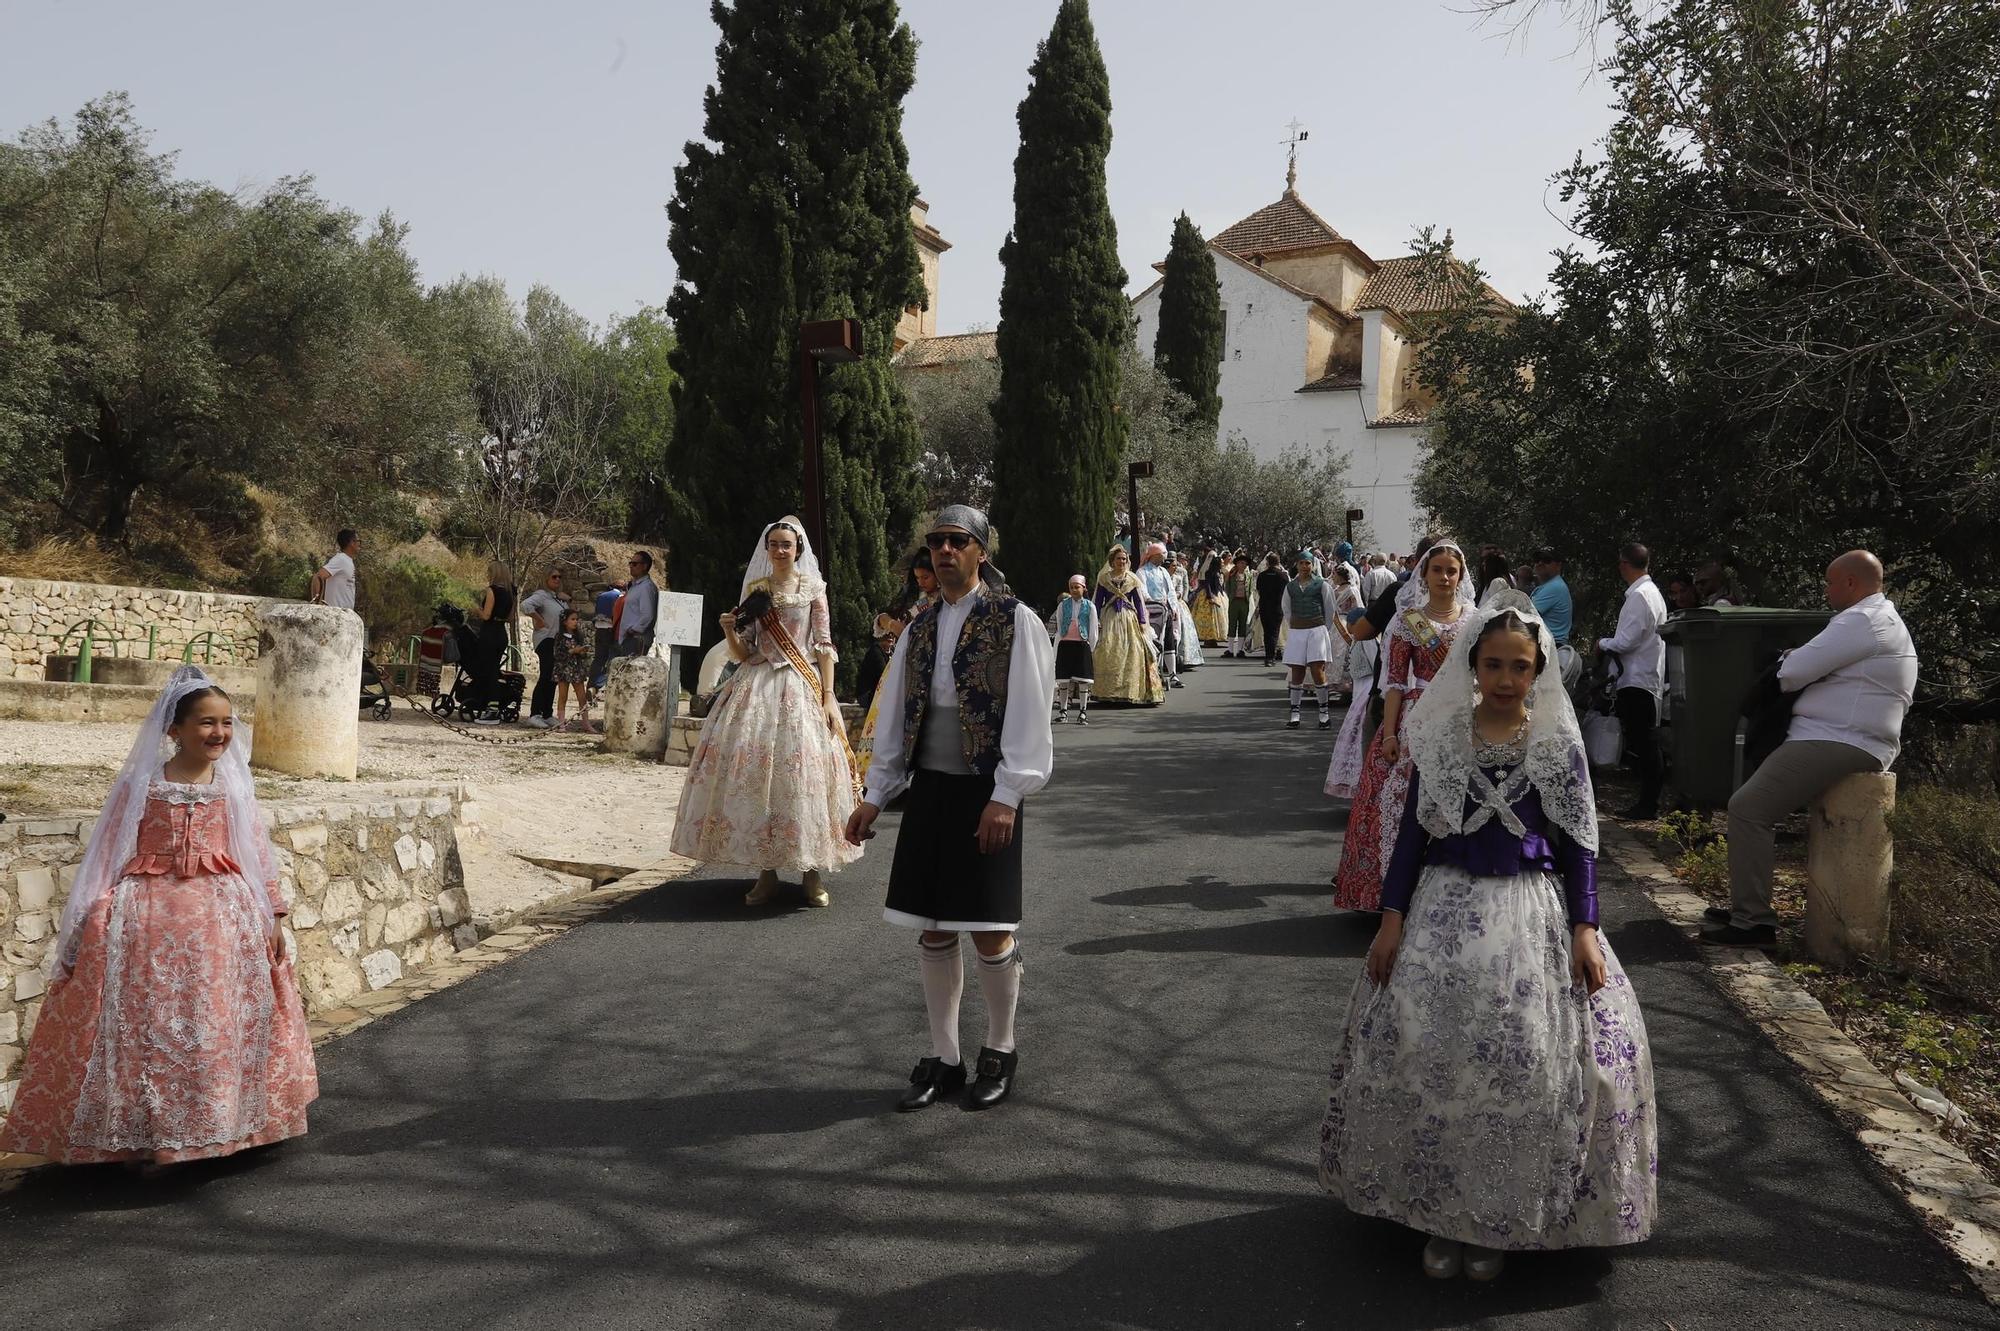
pixel 638 706
pixel 1849 855
pixel 308 690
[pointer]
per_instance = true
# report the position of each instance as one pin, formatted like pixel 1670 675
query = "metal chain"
pixel 423 709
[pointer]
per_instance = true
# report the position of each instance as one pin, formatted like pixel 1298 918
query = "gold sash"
pixel 799 661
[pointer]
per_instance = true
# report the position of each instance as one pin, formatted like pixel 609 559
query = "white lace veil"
pixel 116 836
pixel 1416 593
pixel 1441 744
pixel 759 567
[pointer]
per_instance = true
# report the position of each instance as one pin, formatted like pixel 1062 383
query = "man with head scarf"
pixel 972 680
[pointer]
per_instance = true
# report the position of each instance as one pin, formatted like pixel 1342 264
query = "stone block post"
pixel 308 690
pixel 1849 855
pixel 639 695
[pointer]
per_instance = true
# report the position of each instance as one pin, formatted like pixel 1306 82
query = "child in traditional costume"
pixel 173 1029
pixel 770 784
pixel 1431 609
pixel 1308 606
pixel 1492 1086
pixel 1238 586
pixel 1073 626
pixel 1126 670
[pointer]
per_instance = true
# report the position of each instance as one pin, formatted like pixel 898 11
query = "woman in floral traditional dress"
pixel 770 785
pixel 1430 609
pixel 1211 606
pixel 173 1028
pixel 1492 1086
pixel 1126 669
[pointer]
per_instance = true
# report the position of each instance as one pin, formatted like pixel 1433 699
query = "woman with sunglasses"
pixel 770 785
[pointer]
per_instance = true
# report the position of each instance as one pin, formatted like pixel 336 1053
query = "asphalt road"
pixel 681 1117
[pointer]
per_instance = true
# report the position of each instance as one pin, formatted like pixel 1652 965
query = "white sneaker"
pixel 540 722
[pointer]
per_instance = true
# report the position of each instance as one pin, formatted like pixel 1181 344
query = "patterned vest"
pixel 1309 601
pixel 985 650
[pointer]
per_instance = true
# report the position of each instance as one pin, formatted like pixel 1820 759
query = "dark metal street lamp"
pixel 821 342
pixel 1134 473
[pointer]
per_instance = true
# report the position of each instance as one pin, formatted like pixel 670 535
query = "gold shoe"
pixel 1443 1258
pixel 815 894
pixel 767 887
pixel 1483 1263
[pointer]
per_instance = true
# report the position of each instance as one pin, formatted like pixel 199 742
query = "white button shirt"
pixel 1642 652
pixel 1855 680
pixel 1027 742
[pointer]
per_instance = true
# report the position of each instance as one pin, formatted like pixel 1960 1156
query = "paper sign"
pixel 679 622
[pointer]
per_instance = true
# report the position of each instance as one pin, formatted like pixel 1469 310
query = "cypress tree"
pixel 1063 319
pixel 796 207
pixel 1187 348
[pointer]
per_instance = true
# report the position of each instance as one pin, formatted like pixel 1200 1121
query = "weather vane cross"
pixel 1299 134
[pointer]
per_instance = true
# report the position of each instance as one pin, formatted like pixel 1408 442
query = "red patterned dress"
pixel 1377 811
pixel 176 1037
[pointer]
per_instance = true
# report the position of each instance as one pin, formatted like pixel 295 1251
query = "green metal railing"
pixel 89 627
pixel 96 638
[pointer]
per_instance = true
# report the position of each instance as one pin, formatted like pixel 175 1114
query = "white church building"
pixel 1318 349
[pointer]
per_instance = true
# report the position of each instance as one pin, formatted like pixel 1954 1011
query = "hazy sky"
pixel 537 141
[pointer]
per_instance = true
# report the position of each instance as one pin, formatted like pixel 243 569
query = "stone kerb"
pixel 1849 857
pixel 35 613
pixel 638 706
pixel 375 888
pixel 308 690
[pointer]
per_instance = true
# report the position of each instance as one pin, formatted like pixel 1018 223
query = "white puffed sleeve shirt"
pixel 1027 741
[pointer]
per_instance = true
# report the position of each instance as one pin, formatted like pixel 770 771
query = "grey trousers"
pixel 1789 780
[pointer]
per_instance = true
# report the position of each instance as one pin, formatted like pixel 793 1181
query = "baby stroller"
pixel 374 693
pixel 449 642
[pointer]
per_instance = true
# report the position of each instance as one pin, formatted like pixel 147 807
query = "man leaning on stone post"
pixel 1854 681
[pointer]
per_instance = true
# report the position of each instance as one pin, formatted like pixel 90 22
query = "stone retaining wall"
pixel 375 888
pixel 34 615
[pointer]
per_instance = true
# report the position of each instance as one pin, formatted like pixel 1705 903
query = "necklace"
pixel 1502 752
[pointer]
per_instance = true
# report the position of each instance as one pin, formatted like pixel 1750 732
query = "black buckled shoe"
pixel 1730 935
pixel 931 1081
pixel 995 1081
pixel 1717 915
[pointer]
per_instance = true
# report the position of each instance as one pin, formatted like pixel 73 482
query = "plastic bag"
pixel 1603 739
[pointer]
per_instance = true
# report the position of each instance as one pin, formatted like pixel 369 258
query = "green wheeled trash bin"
pixel 1715 654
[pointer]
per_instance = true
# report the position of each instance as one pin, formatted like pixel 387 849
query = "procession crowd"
pixel 1490 1085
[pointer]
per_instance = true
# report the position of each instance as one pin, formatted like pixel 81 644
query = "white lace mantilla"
pixel 1448 755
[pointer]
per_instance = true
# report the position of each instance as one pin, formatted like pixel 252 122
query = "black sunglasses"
pixel 957 540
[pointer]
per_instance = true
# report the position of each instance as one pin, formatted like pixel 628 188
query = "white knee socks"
pixel 1000 983
pixel 1322 690
pixel 1082 696
pixel 1296 693
pixel 1062 697
pixel 943 970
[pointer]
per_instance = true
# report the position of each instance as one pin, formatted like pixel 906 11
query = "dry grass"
pixel 59 559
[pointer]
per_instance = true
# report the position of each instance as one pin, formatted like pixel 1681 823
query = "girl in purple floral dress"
pixel 1492 1086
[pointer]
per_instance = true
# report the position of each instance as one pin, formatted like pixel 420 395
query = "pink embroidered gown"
pixel 176 1037
pixel 1377 812
pixel 769 785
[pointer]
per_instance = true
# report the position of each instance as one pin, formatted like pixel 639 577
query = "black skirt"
pixel 1074 661
pixel 939 880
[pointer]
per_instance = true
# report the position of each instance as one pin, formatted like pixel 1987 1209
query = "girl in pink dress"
pixel 173 1029
pixel 1429 612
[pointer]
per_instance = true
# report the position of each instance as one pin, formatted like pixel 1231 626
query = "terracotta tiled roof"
pixel 952 349
pixel 1328 383
pixel 1403 286
pixel 1405 416
pixel 1285 225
